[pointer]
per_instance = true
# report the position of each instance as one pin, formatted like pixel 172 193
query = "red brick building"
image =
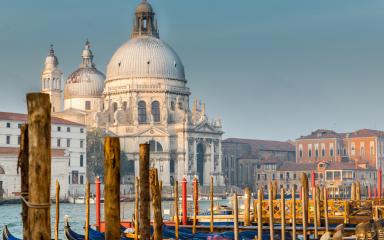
pixel 363 146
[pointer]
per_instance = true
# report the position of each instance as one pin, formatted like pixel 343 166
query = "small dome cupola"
pixel 87 56
pixel 145 23
pixel 51 61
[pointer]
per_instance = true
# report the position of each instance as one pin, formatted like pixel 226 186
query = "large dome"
pixel 86 81
pixel 145 57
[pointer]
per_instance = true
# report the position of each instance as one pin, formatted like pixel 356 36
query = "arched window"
pixel 114 107
pixel 155 146
pixel 156 111
pixel 81 160
pixel 142 112
pixel 2 170
pixel 125 104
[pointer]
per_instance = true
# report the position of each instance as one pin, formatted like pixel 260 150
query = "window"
pixel 172 166
pixel 81 130
pixel 58 142
pixel 316 152
pixel 58 128
pixel 337 175
pixel 331 152
pixel 68 129
pixel 281 176
pixel 125 106
pixel 294 176
pixel 8 140
pixel 81 160
pixel 273 176
pixel 142 112
pixel 362 151
pixel 155 146
pixel 68 143
pixel 81 179
pixel 301 153
pixel 352 148
pixel 287 175
pixel 310 153
pixel 87 105
pixel 69 179
pixel 8 124
pixel 114 107
pixel 372 148
pixel 156 111
pixel 19 125
pixel 329 176
pixel 18 140
pixel 69 162
pixel 81 144
pixel 323 152
pixel 172 105
pixel 347 175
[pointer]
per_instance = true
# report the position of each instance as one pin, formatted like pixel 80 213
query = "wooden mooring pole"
pixel 282 212
pixel 315 216
pixel 144 222
pixel 156 204
pixel 87 195
pixel 211 207
pixel 326 210
pixel 24 166
pixel 39 133
pixel 176 210
pixel 57 215
pixel 235 217
pixel 112 187
pixel 304 205
pixel 293 211
pixel 260 214
pixel 195 206
pixel 137 190
pixel 247 207
pixel 98 202
pixel 271 220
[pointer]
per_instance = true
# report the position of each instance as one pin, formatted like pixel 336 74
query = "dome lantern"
pixel 145 22
pixel 87 56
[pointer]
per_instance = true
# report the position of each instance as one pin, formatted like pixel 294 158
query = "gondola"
pixel 93 234
pixel 7 235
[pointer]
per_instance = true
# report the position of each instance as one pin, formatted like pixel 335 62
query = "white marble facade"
pixel 145 99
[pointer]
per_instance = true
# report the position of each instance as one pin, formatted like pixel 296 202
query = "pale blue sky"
pixel 272 69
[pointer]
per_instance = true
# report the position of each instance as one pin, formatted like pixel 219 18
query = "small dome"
pixel 86 81
pixel 145 56
pixel 51 60
pixel 144 7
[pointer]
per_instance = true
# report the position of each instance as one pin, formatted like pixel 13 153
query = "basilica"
pixel 143 98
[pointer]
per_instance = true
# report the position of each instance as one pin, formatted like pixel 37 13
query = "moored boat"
pixel 7 235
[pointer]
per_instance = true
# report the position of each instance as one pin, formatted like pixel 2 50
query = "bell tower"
pixel 51 80
pixel 145 23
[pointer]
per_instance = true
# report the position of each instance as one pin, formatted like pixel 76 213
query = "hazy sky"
pixel 270 69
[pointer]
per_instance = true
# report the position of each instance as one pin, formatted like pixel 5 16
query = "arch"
pixel 125 105
pixel 200 162
pixel 155 109
pixel 155 146
pixel 114 106
pixel 142 112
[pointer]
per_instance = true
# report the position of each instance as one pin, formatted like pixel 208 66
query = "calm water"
pixel 10 215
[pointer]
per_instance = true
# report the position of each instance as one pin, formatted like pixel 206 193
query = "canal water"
pixel 10 215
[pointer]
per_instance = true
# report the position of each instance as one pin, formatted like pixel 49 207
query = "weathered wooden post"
pixel 235 217
pixel 326 210
pixel 87 193
pixel 156 204
pixel 144 221
pixel 112 187
pixel 57 215
pixel 195 206
pixel 24 166
pixel 211 207
pixel 137 208
pixel 305 197
pixel 313 182
pixel 282 212
pixel 293 211
pixel 98 200
pixel 39 133
pixel 358 191
pixel 271 220
pixel 353 191
pixel 304 209
pixel 259 214
pixel 274 190
pixel 315 222
pixel 176 210
pixel 247 207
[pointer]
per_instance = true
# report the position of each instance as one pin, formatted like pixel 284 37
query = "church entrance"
pixel 200 162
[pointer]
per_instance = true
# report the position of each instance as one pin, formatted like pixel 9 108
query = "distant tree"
pixel 95 156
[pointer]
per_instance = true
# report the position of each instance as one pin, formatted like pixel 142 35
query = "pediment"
pixel 205 127
pixel 153 132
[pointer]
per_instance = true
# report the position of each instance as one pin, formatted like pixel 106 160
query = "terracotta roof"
pixel 291 166
pixel 322 133
pixel 347 166
pixel 24 118
pixel 366 133
pixel 15 151
pixel 265 145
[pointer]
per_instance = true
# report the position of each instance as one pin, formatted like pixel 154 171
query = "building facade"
pixel 363 146
pixel 144 98
pixel 242 157
pixel 68 141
